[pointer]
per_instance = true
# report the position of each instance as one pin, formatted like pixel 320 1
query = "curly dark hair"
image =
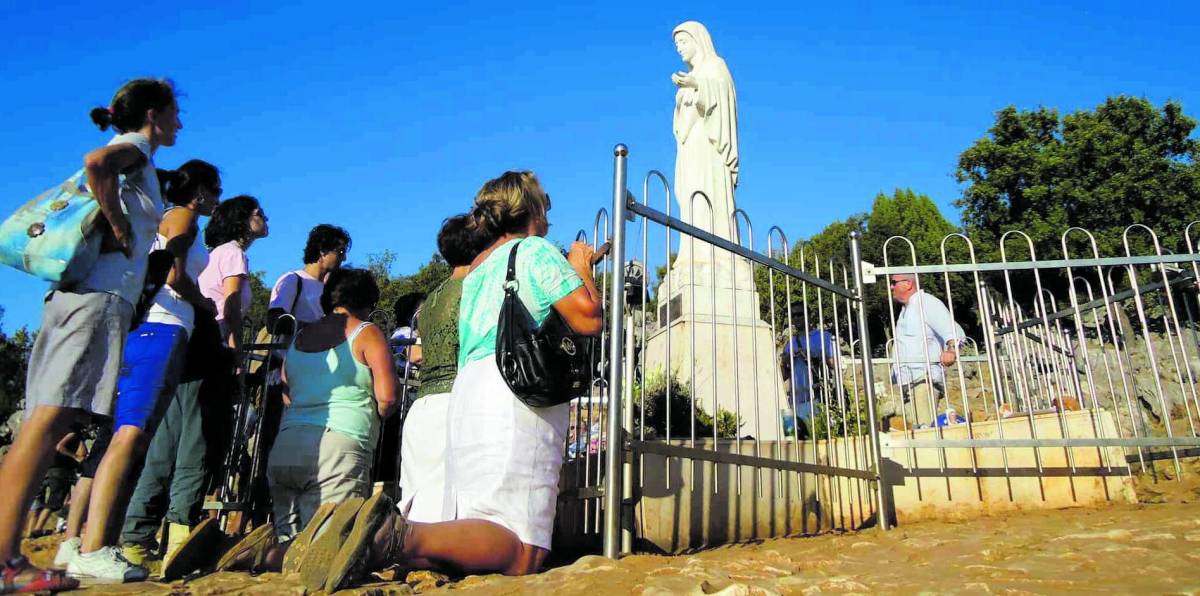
pixel 180 186
pixel 406 306
pixel 460 240
pixel 129 105
pixel 231 221
pixel 351 288
pixel 325 238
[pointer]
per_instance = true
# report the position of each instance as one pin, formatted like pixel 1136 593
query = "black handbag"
pixel 544 366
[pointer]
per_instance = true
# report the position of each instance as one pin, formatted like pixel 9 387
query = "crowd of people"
pixel 143 351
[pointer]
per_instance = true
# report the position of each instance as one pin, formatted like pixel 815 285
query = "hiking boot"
pixel 176 534
pixel 106 564
pixel 67 550
pixel 137 553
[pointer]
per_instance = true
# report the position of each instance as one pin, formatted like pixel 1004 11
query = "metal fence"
pixel 1113 337
pixel 1089 360
pixel 697 366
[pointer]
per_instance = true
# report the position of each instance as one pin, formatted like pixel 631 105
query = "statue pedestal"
pixel 719 348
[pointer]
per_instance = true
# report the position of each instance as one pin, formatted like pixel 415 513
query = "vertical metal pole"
pixel 882 500
pixel 616 335
pixel 627 426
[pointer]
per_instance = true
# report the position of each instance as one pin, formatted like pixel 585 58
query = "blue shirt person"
pixel 806 353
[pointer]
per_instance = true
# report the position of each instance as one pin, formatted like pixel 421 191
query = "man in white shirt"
pixel 926 335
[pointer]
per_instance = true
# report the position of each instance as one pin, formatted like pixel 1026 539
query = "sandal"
pixel 195 552
pixel 21 577
pixel 320 554
pixel 249 552
pixel 293 559
pixel 360 549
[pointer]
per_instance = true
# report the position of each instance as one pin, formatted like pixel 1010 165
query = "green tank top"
pixel 332 389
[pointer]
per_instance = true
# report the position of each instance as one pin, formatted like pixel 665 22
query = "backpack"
pixel 52 236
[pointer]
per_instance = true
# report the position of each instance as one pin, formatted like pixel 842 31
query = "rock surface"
pixel 1145 548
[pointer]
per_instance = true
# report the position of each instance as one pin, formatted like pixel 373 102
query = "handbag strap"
pixel 299 289
pixel 510 280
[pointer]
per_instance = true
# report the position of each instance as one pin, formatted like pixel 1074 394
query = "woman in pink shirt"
pixel 234 226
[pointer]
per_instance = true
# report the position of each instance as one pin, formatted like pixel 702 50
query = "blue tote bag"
pixel 54 236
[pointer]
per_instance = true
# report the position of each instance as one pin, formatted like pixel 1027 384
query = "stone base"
pixel 743 373
pixel 923 487
pixel 687 504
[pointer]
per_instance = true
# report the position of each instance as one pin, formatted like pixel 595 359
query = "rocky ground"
pixel 1150 547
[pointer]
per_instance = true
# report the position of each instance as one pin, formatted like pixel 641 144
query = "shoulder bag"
pixel 51 236
pixel 544 365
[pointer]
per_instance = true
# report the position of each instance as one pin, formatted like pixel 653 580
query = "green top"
pixel 438 329
pixel 332 389
pixel 544 277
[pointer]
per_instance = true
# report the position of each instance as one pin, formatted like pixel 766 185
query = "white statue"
pixel 705 126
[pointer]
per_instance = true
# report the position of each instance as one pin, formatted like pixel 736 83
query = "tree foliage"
pixel 1123 163
pixel 260 299
pixel 904 213
pixel 14 363
pixel 391 287
pixel 687 418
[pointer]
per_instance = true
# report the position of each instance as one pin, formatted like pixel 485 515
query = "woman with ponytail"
pixel 503 457
pixel 76 358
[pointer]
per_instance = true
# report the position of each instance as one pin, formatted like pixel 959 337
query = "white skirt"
pixel 504 457
pixel 423 460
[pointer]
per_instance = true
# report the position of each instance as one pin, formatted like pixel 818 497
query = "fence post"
pixel 616 335
pixel 883 500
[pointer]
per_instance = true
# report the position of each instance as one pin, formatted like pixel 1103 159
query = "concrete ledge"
pixel 960 482
pixel 686 504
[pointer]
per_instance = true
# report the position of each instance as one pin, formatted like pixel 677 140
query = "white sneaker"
pixel 106 564
pixel 67 551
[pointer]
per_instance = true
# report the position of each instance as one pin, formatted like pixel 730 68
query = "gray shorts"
pixel 77 355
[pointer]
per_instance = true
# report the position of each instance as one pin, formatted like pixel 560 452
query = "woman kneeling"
pixel 340 384
pixel 503 456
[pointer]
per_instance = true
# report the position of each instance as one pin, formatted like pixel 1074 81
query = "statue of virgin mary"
pixel 706 142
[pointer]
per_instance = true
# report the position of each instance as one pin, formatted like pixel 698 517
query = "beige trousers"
pixel 917 402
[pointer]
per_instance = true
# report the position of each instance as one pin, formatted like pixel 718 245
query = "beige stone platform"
pixel 933 488
pixel 687 504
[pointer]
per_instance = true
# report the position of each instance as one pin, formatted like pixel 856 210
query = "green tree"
pixel 1123 163
pixel 391 287
pixel 14 363
pixel 903 213
pixel 260 298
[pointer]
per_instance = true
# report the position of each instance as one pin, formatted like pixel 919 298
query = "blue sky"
pixel 385 118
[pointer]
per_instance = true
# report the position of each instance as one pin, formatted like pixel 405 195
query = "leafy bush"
pixel 681 405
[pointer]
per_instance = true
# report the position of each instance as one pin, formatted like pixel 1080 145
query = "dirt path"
pixel 1150 547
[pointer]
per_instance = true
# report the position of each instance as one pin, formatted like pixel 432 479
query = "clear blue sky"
pixel 386 119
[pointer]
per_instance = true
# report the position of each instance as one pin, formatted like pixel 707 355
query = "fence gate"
pixel 694 388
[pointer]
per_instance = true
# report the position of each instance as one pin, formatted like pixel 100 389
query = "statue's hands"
pixel 683 79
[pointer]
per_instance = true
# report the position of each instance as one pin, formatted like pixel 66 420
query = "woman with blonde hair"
pixel 503 456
